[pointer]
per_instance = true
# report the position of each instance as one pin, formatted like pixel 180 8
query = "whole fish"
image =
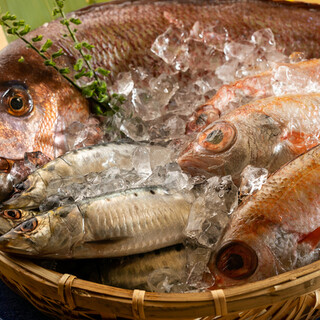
pixel 113 225
pixel 136 272
pixel 301 78
pixel 78 163
pixel 38 103
pixel 276 229
pixel 265 133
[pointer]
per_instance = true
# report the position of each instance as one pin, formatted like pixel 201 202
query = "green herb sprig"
pixel 104 103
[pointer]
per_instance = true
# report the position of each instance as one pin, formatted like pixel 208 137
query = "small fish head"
pixel 219 150
pixel 10 218
pixel 28 238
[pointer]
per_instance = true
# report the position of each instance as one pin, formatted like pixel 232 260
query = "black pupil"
pixel 16 103
pixel 234 262
pixel 215 136
pixel 28 225
pixel 11 213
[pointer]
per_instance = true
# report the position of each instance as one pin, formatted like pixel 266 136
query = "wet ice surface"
pixel 252 179
pixel 210 213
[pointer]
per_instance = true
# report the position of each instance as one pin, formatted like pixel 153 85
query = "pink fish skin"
pixel 265 133
pixel 276 229
pixel 231 96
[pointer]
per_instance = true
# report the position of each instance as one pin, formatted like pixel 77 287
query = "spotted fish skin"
pixel 276 229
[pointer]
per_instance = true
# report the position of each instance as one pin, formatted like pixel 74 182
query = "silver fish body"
pixel 78 163
pixel 117 224
pixel 136 272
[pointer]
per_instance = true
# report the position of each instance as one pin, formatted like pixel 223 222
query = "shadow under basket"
pixel 291 295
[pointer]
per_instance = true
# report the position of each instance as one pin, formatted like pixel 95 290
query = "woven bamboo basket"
pixel 291 295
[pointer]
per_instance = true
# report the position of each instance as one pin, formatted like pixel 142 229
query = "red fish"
pixel 275 230
pixel 265 133
pixel 231 96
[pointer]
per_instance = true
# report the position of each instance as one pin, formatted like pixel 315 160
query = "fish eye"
pixel 17 101
pixel 12 214
pixel 27 226
pixel 219 137
pixel 236 260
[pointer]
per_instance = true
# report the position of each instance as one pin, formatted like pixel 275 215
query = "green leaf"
pixel 78 46
pixel 64 70
pixel 57 54
pixel 87 45
pixel 87 92
pixel 89 74
pixel 80 74
pixel 37 38
pixel 55 11
pixel 21 59
pixel 26 30
pixel 60 3
pixel 75 21
pixel 87 57
pixel 103 71
pixel 79 64
pixel 49 63
pixel 46 46
pixel 19 23
pixel 8 16
pixel 65 22
pixel 12 30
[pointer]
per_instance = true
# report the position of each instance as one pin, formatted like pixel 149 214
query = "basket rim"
pixel 285 286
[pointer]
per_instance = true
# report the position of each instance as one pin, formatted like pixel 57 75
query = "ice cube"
pixel 210 212
pixel 264 39
pixel 141 161
pixel 252 179
pixel 165 280
pixel 172 48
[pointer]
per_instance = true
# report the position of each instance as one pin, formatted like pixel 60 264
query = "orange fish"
pixel 265 133
pixel 275 230
pixel 231 96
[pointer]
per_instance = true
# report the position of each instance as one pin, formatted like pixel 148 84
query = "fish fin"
pixel 313 238
pixel 300 142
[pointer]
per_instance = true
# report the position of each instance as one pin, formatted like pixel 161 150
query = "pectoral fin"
pixel 313 238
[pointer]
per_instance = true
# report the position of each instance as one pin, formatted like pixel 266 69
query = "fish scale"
pixel 112 225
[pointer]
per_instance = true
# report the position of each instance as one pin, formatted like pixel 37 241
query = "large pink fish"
pixel 275 230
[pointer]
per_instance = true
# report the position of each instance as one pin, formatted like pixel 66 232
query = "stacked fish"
pixel 273 231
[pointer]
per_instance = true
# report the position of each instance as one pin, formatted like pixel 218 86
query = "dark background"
pixel 14 307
